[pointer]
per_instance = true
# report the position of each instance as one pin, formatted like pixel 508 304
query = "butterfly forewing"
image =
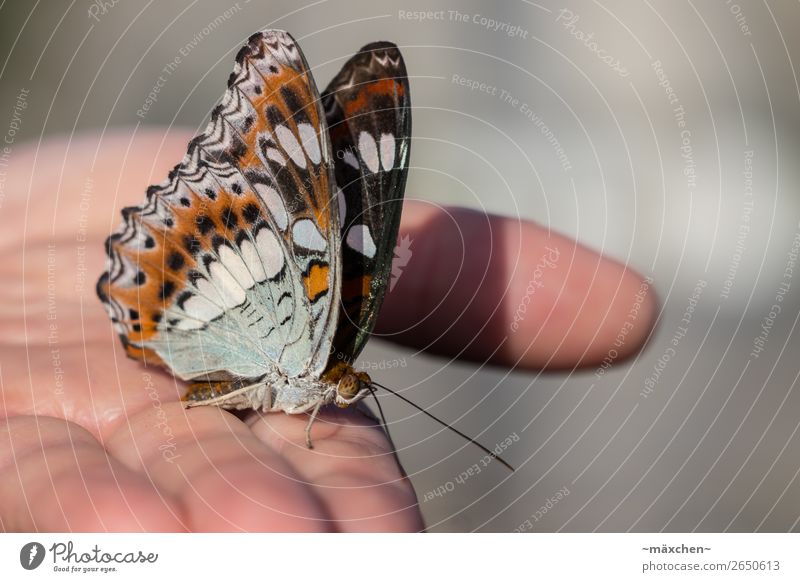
pixel 231 266
pixel 368 110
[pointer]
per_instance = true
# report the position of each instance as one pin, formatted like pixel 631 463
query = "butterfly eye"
pixel 352 387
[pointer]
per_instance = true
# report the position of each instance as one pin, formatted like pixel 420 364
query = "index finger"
pixel 510 292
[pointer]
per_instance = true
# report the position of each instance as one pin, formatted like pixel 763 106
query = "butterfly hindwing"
pixel 368 111
pixel 230 268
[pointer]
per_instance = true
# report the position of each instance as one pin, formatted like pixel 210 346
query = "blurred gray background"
pixel 596 154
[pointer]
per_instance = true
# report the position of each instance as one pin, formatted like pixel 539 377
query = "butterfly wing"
pixel 230 268
pixel 368 110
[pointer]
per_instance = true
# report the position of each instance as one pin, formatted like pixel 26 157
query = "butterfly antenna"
pixel 383 417
pixel 443 423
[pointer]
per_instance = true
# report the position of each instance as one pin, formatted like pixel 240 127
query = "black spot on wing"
pixel 229 218
pixel 251 212
pixel 183 298
pixel 167 289
pixel 274 116
pixel 192 244
pixel 175 261
pixel 204 224
pixel 294 104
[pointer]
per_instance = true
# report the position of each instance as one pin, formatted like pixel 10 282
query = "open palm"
pixel 94 441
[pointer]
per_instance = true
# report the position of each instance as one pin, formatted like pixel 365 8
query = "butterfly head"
pixel 352 387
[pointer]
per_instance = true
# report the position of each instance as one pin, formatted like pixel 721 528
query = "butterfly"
pixel 256 270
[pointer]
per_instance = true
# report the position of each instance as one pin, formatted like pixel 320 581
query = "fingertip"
pixel 586 309
pixel 512 292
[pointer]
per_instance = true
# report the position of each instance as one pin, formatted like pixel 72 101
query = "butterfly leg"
pixel 311 421
pixel 235 394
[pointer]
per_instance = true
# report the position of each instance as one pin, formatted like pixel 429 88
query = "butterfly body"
pixel 275 392
pixel 256 269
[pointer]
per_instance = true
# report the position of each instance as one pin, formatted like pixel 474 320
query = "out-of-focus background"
pixel 664 134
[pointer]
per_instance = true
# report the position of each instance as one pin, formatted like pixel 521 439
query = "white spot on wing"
pixel 310 142
pixel 350 159
pixel 274 203
pixel 275 156
pixel 369 151
pixel 200 306
pixel 228 289
pixel 252 260
pixel 306 234
pixel 189 324
pixel 290 145
pixel 269 251
pixel 236 266
pixel 387 151
pixel 360 240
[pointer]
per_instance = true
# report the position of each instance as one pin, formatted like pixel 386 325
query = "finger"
pixel 352 468
pixel 225 478
pixel 511 292
pixel 57 477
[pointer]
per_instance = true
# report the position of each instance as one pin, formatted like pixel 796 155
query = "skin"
pixel 108 447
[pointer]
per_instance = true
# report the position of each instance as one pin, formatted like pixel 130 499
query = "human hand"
pixel 94 441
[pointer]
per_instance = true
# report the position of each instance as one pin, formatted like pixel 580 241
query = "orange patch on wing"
pixel 356 287
pixel 146 355
pixel 382 87
pixel 316 282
